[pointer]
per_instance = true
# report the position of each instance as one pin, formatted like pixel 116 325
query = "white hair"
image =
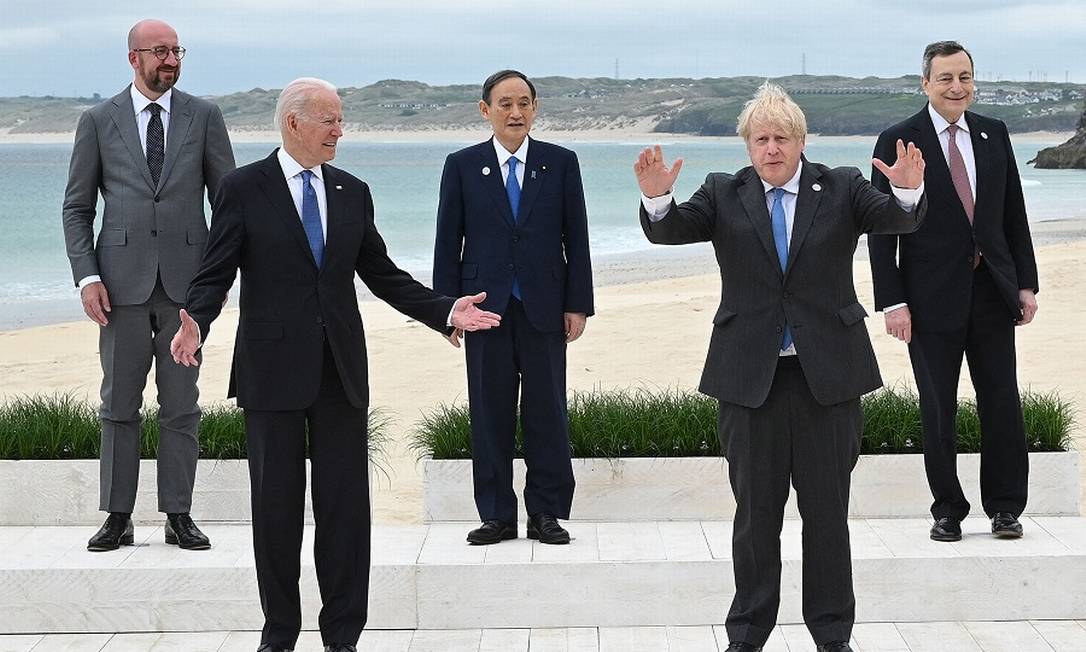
pixel 296 95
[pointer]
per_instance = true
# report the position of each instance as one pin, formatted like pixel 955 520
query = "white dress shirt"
pixel 503 160
pixel 292 171
pixel 143 117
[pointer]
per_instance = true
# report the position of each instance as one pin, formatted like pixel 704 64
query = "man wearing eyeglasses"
pixel 151 152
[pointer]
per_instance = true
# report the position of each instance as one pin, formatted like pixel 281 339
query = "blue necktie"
pixel 780 240
pixel 512 188
pixel 311 218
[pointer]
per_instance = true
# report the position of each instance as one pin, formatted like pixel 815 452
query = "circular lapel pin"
pixel 486 171
pixel 984 135
pixel 816 187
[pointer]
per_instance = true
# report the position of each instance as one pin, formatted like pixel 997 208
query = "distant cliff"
pixel 1071 154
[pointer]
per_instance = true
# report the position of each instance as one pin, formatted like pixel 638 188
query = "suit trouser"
pixel 499 361
pixel 134 336
pixel 276 442
pixel 987 342
pixel 791 437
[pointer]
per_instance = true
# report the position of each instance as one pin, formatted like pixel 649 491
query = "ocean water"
pixel 35 279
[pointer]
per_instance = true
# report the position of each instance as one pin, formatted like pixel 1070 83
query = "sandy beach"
pixel 651 328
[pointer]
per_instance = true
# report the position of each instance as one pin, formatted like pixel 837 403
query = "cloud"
pixel 26 38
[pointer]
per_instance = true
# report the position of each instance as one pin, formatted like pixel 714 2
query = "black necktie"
pixel 155 142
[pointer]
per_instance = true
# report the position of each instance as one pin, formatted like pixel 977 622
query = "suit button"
pixel 516 238
pixel 969 259
pixel 510 265
pixel 320 321
pixel 156 199
pixel 780 330
pixel 154 234
pixel 787 295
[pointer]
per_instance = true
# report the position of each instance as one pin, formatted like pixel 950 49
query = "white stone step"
pixel 612 575
pixel 1015 636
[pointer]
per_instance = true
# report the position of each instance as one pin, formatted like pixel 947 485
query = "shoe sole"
pixel 946 538
pixel 173 542
pixel 1007 534
pixel 490 542
pixel 558 542
pixel 125 541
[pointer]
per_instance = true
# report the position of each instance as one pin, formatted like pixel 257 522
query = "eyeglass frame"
pixel 177 50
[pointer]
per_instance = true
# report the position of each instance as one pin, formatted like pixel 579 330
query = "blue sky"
pixel 77 47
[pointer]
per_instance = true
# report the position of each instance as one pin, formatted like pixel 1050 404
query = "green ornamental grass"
pixel 641 422
pixel 58 426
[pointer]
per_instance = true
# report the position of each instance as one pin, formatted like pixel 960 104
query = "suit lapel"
pixel 333 191
pixel 982 160
pixel 491 175
pixel 937 170
pixel 535 174
pixel 180 121
pixel 807 202
pixel 124 118
pixel 275 189
pixel 752 195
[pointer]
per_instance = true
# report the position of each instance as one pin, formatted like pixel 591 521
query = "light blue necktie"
pixel 311 218
pixel 512 188
pixel 780 240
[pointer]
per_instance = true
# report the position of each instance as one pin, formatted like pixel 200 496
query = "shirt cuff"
pixel 656 207
pixel 889 309
pixel 87 280
pixel 448 320
pixel 907 198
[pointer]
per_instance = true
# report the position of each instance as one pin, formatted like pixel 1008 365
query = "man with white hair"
pixel 299 230
pixel 789 356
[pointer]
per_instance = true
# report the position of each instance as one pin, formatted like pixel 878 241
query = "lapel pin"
pixel 544 168
pixel 984 135
pixel 339 187
pixel 817 187
pixel 533 174
pixel 486 170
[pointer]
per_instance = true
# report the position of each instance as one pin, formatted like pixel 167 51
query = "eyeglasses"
pixel 162 52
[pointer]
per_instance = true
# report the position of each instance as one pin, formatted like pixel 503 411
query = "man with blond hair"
pixel 789 356
pixel 300 230
pixel 151 152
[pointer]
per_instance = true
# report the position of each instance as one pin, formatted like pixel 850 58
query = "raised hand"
pixel 654 177
pixel 908 169
pixel 466 316
pixel 186 342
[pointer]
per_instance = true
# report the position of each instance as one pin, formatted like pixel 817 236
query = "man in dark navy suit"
pixel 511 222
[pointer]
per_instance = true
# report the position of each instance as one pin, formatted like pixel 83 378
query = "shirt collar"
pixel 940 123
pixel 504 155
pixel 793 184
pixel 140 101
pixel 292 168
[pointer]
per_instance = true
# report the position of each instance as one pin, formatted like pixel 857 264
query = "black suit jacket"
pixel 932 269
pixel 480 247
pixel 288 306
pixel 815 294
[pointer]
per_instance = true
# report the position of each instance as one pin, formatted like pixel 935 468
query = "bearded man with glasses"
pixel 151 152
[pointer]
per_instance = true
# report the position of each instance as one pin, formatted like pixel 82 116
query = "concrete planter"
pixel 696 488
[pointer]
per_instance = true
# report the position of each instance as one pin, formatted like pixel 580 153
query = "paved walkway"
pixel 1020 636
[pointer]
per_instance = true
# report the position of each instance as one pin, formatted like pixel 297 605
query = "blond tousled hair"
pixel 771 106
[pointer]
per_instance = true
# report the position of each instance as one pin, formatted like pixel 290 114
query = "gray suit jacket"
pixel 148 231
pixel 815 294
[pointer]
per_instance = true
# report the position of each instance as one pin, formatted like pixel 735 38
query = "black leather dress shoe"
pixel 340 648
pixel 946 529
pixel 1006 526
pixel 546 528
pixel 492 532
pixel 736 646
pixel 117 531
pixel 836 646
pixel 182 532
pixel 268 647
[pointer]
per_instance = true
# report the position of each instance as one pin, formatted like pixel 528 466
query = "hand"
pixel 1028 301
pixel 575 323
pixel 454 337
pixel 95 302
pixel 467 317
pixel 653 175
pixel 186 342
pixel 908 171
pixel 899 323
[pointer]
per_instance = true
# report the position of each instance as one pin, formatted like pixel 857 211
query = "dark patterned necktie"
pixel 156 141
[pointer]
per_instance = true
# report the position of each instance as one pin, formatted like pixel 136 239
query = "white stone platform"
pixel 1021 636
pixel 613 575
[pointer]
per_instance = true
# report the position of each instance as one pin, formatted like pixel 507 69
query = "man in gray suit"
pixel 151 151
pixel 789 355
